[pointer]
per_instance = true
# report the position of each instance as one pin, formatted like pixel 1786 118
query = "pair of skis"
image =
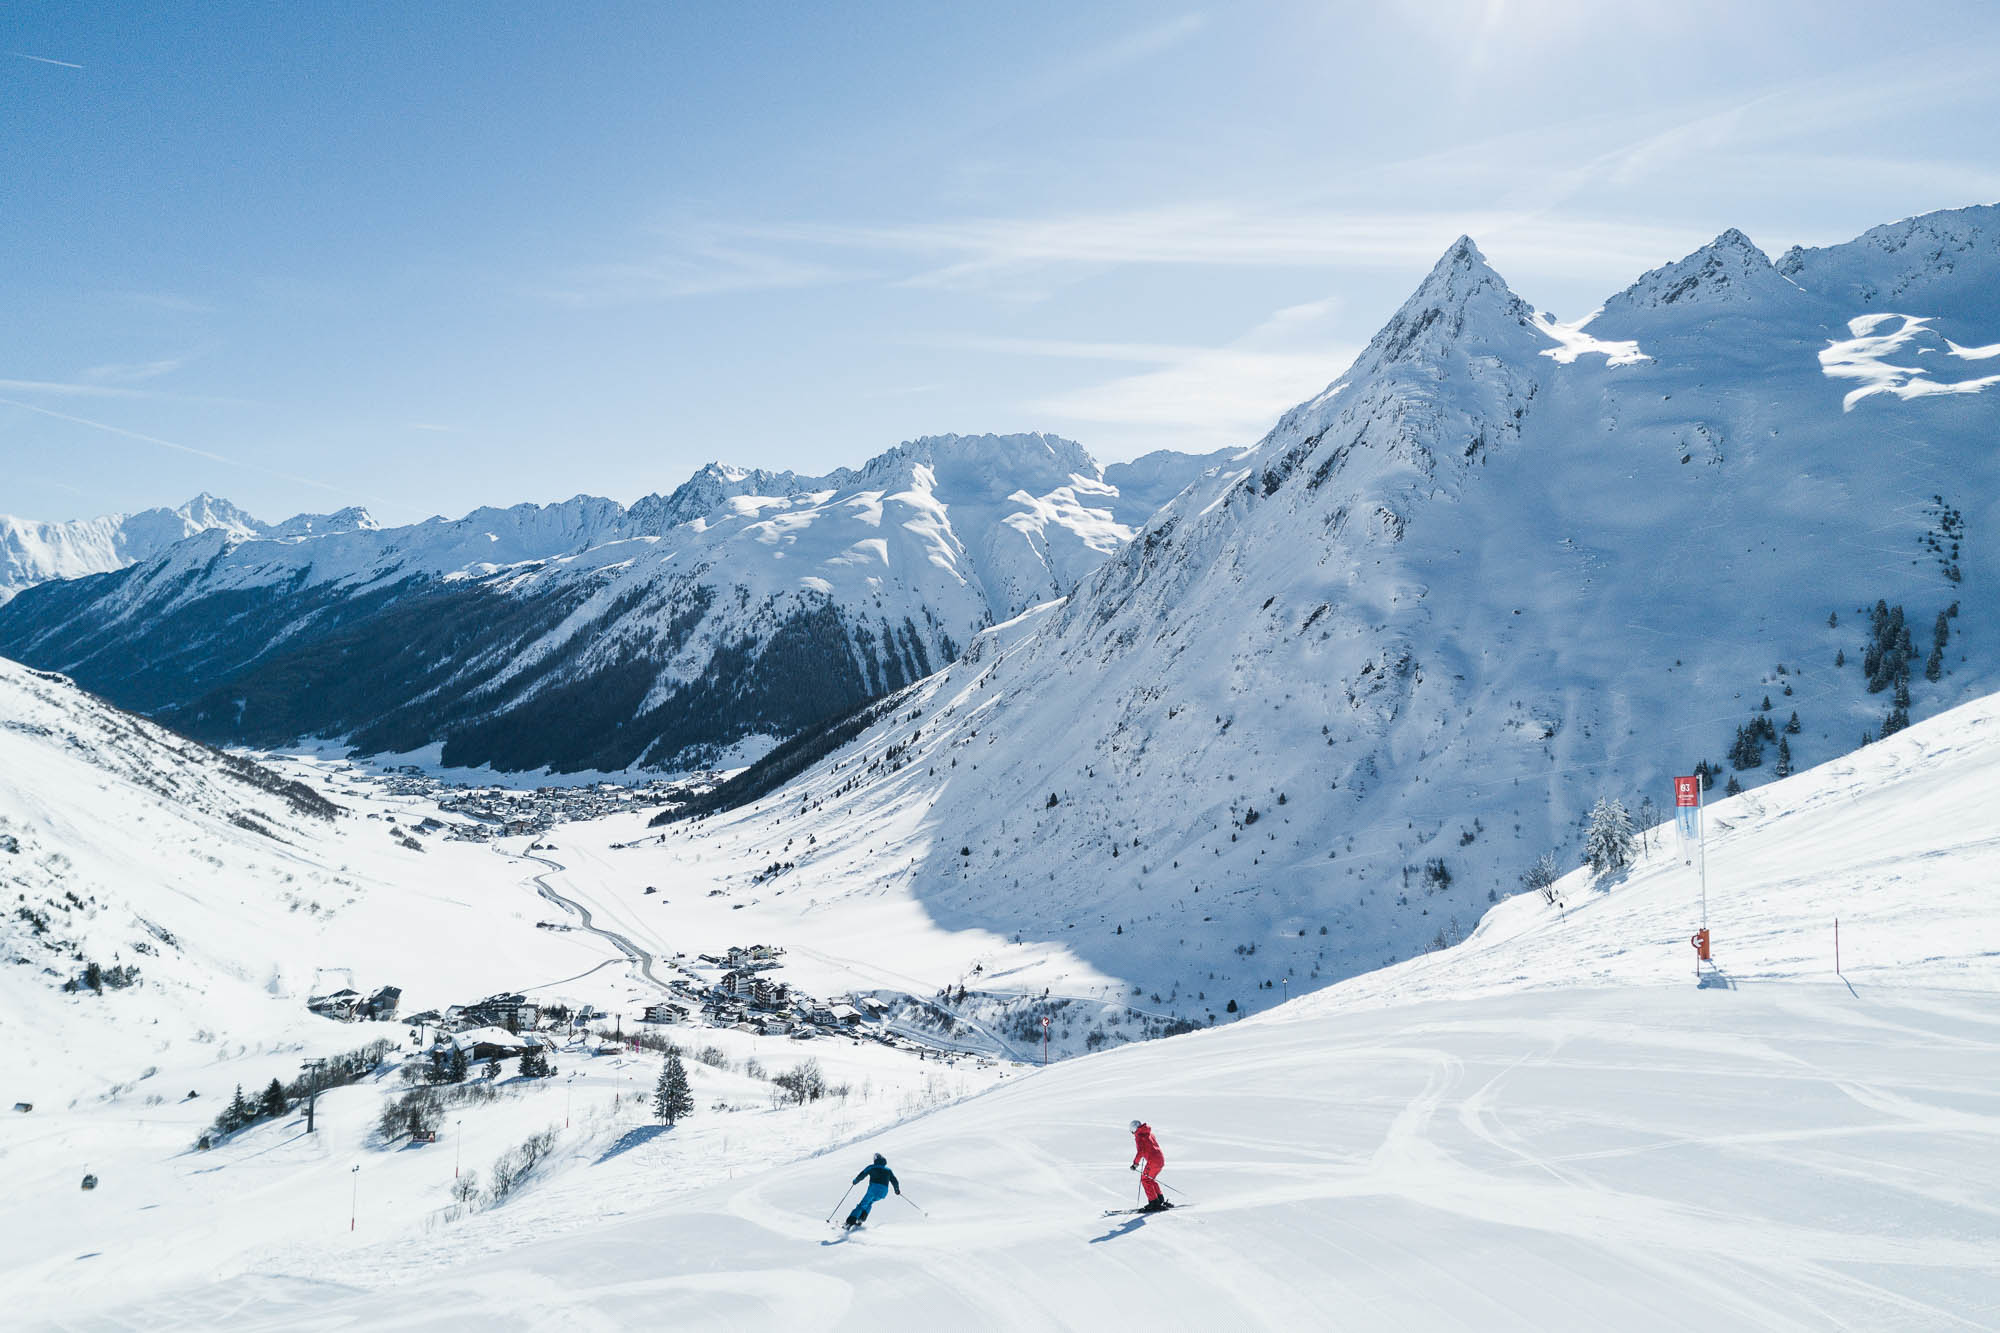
pixel 1144 1211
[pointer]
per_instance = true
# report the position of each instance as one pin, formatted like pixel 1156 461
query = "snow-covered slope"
pixel 584 635
pixel 232 890
pixel 1546 1128
pixel 199 899
pixel 1337 694
pixel 34 552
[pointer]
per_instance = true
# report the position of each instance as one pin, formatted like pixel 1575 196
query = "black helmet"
pixel 880 1160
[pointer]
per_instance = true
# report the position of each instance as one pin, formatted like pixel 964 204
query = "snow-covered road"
pixel 642 960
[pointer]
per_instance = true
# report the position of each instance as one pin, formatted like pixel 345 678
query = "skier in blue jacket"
pixel 880 1181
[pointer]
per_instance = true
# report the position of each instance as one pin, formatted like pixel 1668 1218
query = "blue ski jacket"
pixel 878 1175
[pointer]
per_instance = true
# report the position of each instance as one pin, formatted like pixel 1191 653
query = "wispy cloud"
pixel 117 381
pixel 163 300
pixel 978 251
pixel 131 372
pixel 1119 53
pixel 69 389
pixel 44 60
pixel 692 264
pixel 1537 200
pixel 1189 396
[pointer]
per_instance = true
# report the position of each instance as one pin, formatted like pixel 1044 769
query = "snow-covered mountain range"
pixel 34 552
pixel 587 635
pixel 1343 690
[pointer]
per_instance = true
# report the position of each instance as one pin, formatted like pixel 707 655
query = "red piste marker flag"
pixel 1687 806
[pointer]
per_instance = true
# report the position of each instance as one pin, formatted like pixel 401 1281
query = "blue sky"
pixel 425 257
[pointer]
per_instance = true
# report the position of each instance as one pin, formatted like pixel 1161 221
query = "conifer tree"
pixel 272 1103
pixel 1734 788
pixel 1542 876
pixel 1784 758
pixel 1607 844
pixel 672 1098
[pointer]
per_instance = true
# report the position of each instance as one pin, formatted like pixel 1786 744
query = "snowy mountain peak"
pixel 1729 270
pixel 212 511
pixel 1947 262
pixel 1461 290
pixel 351 519
pixel 704 493
pixel 34 552
pixel 1031 461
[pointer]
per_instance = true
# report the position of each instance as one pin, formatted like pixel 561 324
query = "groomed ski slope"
pixel 1548 1127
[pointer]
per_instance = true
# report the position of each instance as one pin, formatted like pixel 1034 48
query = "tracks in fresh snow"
pixel 623 943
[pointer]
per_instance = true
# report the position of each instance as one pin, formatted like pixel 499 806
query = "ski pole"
pixel 843 1200
pixel 906 1199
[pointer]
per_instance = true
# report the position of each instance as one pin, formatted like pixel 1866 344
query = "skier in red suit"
pixel 1146 1149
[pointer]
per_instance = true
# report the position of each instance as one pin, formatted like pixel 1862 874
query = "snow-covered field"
pixel 1548 1127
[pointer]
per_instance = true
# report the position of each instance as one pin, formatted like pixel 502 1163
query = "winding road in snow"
pixel 622 943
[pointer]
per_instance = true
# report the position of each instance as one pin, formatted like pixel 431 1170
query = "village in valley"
pixel 735 989
pixel 481 812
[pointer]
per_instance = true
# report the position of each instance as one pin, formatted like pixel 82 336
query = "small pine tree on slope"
pixel 1607 845
pixel 671 1096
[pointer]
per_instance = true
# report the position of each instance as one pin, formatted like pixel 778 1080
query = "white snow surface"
pixel 1547 1127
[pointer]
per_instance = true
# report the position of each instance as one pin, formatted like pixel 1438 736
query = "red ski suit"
pixel 1147 1149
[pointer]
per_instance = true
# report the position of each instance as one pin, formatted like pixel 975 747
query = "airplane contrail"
pixel 378 501
pixel 128 434
pixel 45 60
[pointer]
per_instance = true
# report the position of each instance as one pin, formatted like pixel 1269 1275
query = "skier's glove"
pixel 1133 1167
